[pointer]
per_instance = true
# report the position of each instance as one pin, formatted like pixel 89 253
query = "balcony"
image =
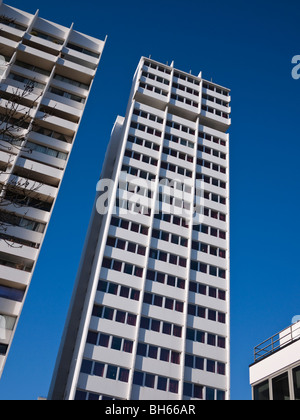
pixel 214 118
pixel 57 123
pixel 41 173
pixel 37 56
pixel 277 342
pixel 15 277
pixel 50 142
pixel 76 70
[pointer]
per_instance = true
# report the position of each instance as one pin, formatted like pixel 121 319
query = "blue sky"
pixel 246 46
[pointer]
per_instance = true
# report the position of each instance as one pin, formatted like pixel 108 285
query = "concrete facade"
pixel 149 317
pixel 53 67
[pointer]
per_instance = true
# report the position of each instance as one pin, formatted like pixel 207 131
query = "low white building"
pixel 46 74
pixel 275 374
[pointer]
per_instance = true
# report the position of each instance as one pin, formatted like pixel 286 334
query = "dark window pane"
pixel 99 369
pixel 138 378
pixel 162 384
pixel 280 386
pixel 112 372
pixel 296 379
pixel 149 381
pixel 261 392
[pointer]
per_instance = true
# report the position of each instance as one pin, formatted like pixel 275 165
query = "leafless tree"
pixel 17 109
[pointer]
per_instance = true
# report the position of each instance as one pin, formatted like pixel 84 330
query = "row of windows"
pixel 170 218
pixel 155 89
pixel 208 269
pixel 83 50
pixel 163 278
pixel 51 133
pixel 180 127
pixel 22 222
pixel 27 82
pixel 46 150
pixel 122 267
pixel 200 363
pixel 162 354
pixel 186 78
pixel 145 128
pixel 177 169
pixel 214 197
pixel 177 154
pixel 91 396
pixel 132 207
pixel 118 290
pixel 144 143
pixel 138 156
pixel 203 393
pixel 202 289
pixel 157 254
pixel 149 380
pixel 211 180
pixel 218 215
pixel 131 170
pixel 185 89
pixel 115 315
pixel 212 138
pixel 214 111
pixel 215 89
pixel 33 68
pixel 102 370
pixel 198 336
pixel 206 313
pixel 71 82
pixel 163 302
pixel 169 237
pixel 156 325
pixel 147 115
pixel 156 78
pixel 209 249
pixel 126 245
pixel 11 293
pixel 128 225
pixel 175 183
pixel 218 233
pixel 110 342
pixel 210 165
pixel 209 151
pixel 184 100
pixel 214 99
pixel 67 95
pixel 157 67
pixel 179 140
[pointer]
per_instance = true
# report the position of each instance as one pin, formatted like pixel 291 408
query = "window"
pixel 112 372
pixel 149 381
pixel 123 375
pixel 138 378
pixel 162 383
pixel 99 369
pixel 280 386
pixel 262 392
pixel 296 380
pixel 104 340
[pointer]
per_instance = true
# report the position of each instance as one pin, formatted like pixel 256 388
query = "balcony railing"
pixel 277 342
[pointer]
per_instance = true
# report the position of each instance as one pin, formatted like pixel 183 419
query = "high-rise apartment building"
pixel 149 316
pixel 46 73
